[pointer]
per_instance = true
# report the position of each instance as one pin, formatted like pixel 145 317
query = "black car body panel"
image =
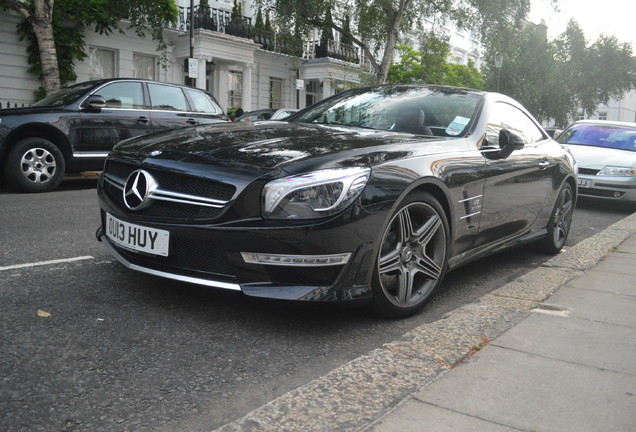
pixel 490 202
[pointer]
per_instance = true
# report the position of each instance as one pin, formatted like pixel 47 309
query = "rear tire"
pixel 412 258
pixel 560 222
pixel 34 165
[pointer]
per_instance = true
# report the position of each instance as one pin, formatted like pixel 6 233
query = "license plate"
pixel 136 237
pixel 585 183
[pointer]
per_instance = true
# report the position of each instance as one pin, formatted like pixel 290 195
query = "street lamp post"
pixel 498 63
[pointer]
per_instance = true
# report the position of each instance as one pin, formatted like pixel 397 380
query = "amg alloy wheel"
pixel 560 221
pixel 411 262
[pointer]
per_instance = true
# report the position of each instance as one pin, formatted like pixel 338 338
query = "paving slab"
pixel 597 306
pixel 597 280
pixel 531 392
pixel 591 343
pixel 417 416
pixel 619 264
pixel 628 245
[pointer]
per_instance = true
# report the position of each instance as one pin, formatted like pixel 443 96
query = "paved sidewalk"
pixel 570 366
pixel 554 350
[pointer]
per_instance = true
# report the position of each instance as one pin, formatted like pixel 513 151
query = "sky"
pixel 613 17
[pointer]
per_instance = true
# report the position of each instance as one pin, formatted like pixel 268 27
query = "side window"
pixel 505 116
pixel 202 102
pixel 125 95
pixel 167 98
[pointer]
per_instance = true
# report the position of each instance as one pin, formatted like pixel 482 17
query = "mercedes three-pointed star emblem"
pixel 139 185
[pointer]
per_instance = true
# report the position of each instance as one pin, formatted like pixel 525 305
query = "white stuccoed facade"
pixel 238 71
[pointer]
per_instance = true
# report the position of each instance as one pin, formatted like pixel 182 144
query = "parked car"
pixel 553 132
pixel 266 114
pixel 371 195
pixel 74 129
pixel 606 156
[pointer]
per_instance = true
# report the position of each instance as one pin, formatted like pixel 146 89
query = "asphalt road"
pixel 123 351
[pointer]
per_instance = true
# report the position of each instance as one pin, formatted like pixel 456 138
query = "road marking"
pixel 41 263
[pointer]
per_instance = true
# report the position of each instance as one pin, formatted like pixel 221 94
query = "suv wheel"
pixel 34 165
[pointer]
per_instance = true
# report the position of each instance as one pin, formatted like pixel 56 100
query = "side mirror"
pixel 509 141
pixel 95 102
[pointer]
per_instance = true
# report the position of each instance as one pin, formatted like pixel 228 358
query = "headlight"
pixel 616 171
pixel 313 195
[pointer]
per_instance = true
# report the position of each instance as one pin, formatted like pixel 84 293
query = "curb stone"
pixel 357 394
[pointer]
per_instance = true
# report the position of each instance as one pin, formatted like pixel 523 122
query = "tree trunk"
pixel 391 41
pixel 42 22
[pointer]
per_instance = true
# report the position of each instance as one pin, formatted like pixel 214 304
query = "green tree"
pixel 379 24
pixel 55 30
pixel 556 79
pixel 259 24
pixel 417 67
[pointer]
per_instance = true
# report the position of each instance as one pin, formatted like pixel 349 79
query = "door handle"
pixel 142 119
pixel 544 164
pixel 192 121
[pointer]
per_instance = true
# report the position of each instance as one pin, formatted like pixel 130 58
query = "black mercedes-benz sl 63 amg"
pixel 371 195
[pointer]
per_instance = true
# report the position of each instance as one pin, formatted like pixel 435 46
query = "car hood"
pixel 599 157
pixel 265 146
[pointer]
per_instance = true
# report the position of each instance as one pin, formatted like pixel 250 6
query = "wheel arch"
pixel 37 130
pixel 439 191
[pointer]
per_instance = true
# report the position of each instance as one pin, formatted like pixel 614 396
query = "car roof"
pixel 605 122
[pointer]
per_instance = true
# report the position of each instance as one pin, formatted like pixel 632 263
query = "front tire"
pixel 412 258
pixel 34 165
pixel 560 221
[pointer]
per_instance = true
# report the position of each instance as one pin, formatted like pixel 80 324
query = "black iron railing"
pixel 222 21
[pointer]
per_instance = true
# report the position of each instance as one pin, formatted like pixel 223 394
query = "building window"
pixel 101 63
pixel 312 89
pixel 235 92
pixel 602 115
pixel 275 93
pixel 144 66
pixel 580 116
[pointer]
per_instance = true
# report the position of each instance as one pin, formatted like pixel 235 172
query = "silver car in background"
pixel 606 156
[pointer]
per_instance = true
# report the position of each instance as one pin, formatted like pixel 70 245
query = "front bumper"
pixel 327 261
pixel 605 187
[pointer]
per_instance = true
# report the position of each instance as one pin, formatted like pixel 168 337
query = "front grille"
pixel 313 276
pixel 116 174
pixel 188 254
pixel 588 171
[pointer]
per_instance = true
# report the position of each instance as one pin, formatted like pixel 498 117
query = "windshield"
pixel 601 135
pixel 434 111
pixel 66 95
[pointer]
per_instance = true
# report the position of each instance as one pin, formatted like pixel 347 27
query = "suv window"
pixel 167 98
pixel 202 102
pixel 125 95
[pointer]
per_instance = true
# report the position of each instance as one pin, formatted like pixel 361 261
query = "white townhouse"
pixel 243 67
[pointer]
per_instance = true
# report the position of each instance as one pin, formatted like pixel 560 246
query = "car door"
pixel 123 116
pixel 517 185
pixel 169 107
pixel 204 108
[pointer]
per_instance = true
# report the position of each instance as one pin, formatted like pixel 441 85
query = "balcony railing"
pixel 222 21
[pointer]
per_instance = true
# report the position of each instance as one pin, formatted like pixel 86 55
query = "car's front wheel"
pixel 412 258
pixel 34 165
pixel 560 221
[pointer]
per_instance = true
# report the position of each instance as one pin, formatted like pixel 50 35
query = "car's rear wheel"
pixel 560 221
pixel 34 165
pixel 412 258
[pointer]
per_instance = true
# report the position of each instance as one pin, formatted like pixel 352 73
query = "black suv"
pixel 74 129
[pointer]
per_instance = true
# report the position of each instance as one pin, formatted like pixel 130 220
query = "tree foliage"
pixel 377 26
pixel 555 79
pixel 69 19
pixel 430 66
